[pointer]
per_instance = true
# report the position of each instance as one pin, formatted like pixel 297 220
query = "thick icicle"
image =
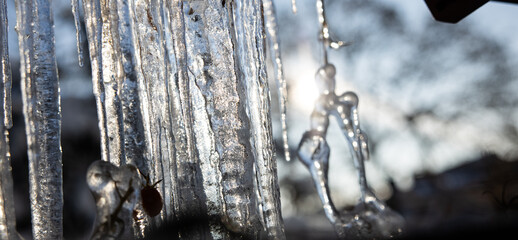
pixel 200 65
pixel 222 88
pixel 251 65
pixel 275 52
pixel 189 202
pixel 40 92
pixel 79 38
pixel 7 215
pixel 116 191
pixel 150 64
pixel 5 66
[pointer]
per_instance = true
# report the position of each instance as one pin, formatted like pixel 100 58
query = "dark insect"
pixel 151 198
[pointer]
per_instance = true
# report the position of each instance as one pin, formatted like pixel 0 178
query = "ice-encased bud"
pixel 313 147
pixel 325 78
pixel 116 191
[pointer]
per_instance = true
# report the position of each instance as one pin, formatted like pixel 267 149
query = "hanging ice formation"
pixel 41 103
pixel 182 94
pixel 371 218
pixel 275 53
pixel 7 215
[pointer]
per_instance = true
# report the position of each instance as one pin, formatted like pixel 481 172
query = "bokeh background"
pixel 438 102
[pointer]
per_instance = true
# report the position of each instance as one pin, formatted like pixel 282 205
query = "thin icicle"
pixel 79 38
pixel 41 100
pixel 275 52
pixel 92 15
pixel 5 66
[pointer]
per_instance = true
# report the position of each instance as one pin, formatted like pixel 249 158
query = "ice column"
pixel 7 215
pixel 41 103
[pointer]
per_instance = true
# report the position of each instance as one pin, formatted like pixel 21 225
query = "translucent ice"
pixel 42 112
pixel 116 191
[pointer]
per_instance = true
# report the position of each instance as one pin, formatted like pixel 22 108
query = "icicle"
pixel 129 96
pixel 186 161
pixel 79 38
pixel 254 79
pixel 116 191
pixel 7 215
pixel 5 66
pixel 294 6
pixel 275 52
pixel 92 15
pixel 40 93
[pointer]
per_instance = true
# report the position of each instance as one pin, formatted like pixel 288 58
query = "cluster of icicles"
pixel 134 46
